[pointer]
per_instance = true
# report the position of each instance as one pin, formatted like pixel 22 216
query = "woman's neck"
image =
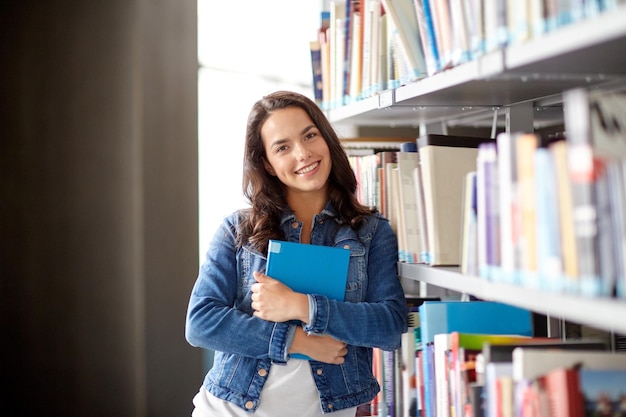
pixel 305 209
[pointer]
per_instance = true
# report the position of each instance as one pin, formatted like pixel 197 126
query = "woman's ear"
pixel 268 168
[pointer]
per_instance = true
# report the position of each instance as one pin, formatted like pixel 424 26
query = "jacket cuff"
pixel 318 315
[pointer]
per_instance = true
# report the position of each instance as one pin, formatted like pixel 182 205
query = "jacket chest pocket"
pixel 357 270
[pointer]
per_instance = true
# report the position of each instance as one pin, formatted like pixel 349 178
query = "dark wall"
pixel 98 207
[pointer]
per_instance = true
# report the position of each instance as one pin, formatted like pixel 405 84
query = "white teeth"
pixel 308 169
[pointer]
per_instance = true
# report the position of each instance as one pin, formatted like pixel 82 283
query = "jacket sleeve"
pixel 214 320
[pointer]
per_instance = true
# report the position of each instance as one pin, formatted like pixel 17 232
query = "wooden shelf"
pixel 604 313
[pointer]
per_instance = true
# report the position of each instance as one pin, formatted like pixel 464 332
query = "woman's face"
pixel 296 151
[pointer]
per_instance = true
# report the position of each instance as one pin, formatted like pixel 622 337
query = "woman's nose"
pixel 302 152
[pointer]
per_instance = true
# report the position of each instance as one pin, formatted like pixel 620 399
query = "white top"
pixel 288 391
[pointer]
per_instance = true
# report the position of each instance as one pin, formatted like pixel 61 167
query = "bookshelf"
pixel 586 54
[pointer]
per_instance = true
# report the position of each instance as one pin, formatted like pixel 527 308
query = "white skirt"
pixel 289 392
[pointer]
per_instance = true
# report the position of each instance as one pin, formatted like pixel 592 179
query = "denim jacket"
pixel 374 313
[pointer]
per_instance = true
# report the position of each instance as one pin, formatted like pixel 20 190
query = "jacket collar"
pixel 327 212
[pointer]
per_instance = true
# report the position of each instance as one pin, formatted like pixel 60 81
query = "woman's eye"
pixel 281 148
pixel 310 135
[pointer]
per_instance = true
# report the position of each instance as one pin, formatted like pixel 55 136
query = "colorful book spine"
pixel 526 146
pixel 549 259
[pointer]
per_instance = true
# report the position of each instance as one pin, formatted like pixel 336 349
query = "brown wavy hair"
pixel 266 193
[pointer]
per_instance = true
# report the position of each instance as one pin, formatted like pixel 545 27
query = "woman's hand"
pixel 321 348
pixel 274 301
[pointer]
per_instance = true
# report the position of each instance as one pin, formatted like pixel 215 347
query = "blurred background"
pixel 121 133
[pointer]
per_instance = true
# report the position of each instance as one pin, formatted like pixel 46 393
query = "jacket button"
pixel 319 372
pixel 330 406
pixel 262 372
pixel 346 246
pixel 294 225
pixel 249 405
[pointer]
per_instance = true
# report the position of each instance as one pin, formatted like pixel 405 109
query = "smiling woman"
pixel 301 188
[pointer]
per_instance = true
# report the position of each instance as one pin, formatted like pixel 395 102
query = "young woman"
pixel 301 188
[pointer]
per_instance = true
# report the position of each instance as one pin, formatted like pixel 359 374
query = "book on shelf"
pixel 488 210
pixel 509 208
pixel 495 25
pixel 616 179
pixel 473 317
pixel 547 230
pixel 498 388
pixel 337 51
pixel 411 249
pixel 316 68
pixel 526 145
pixel 427 39
pixel 441 18
pixel 444 162
pixel 421 215
pixel 356 52
pixel 298 266
pixel 469 232
pixel 404 19
pixel 558 150
pixel 518 20
pixel 461 37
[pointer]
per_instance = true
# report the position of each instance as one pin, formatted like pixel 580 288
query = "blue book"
pixel 484 317
pixel 309 269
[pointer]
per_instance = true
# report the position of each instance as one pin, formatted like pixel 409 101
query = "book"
pixel 404 18
pixel 469 237
pixel 526 145
pixel 562 387
pixel 423 9
pixel 426 37
pixel 444 162
pixel 495 400
pixel 421 215
pixel 300 267
pixel 558 150
pixel 461 43
pixel 488 210
pixel 410 252
pixel 547 230
pixel 309 269
pixel 509 209
pixel 616 180
pixel 473 317
pixel 316 69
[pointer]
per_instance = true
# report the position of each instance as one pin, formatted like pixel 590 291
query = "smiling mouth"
pixel 308 169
